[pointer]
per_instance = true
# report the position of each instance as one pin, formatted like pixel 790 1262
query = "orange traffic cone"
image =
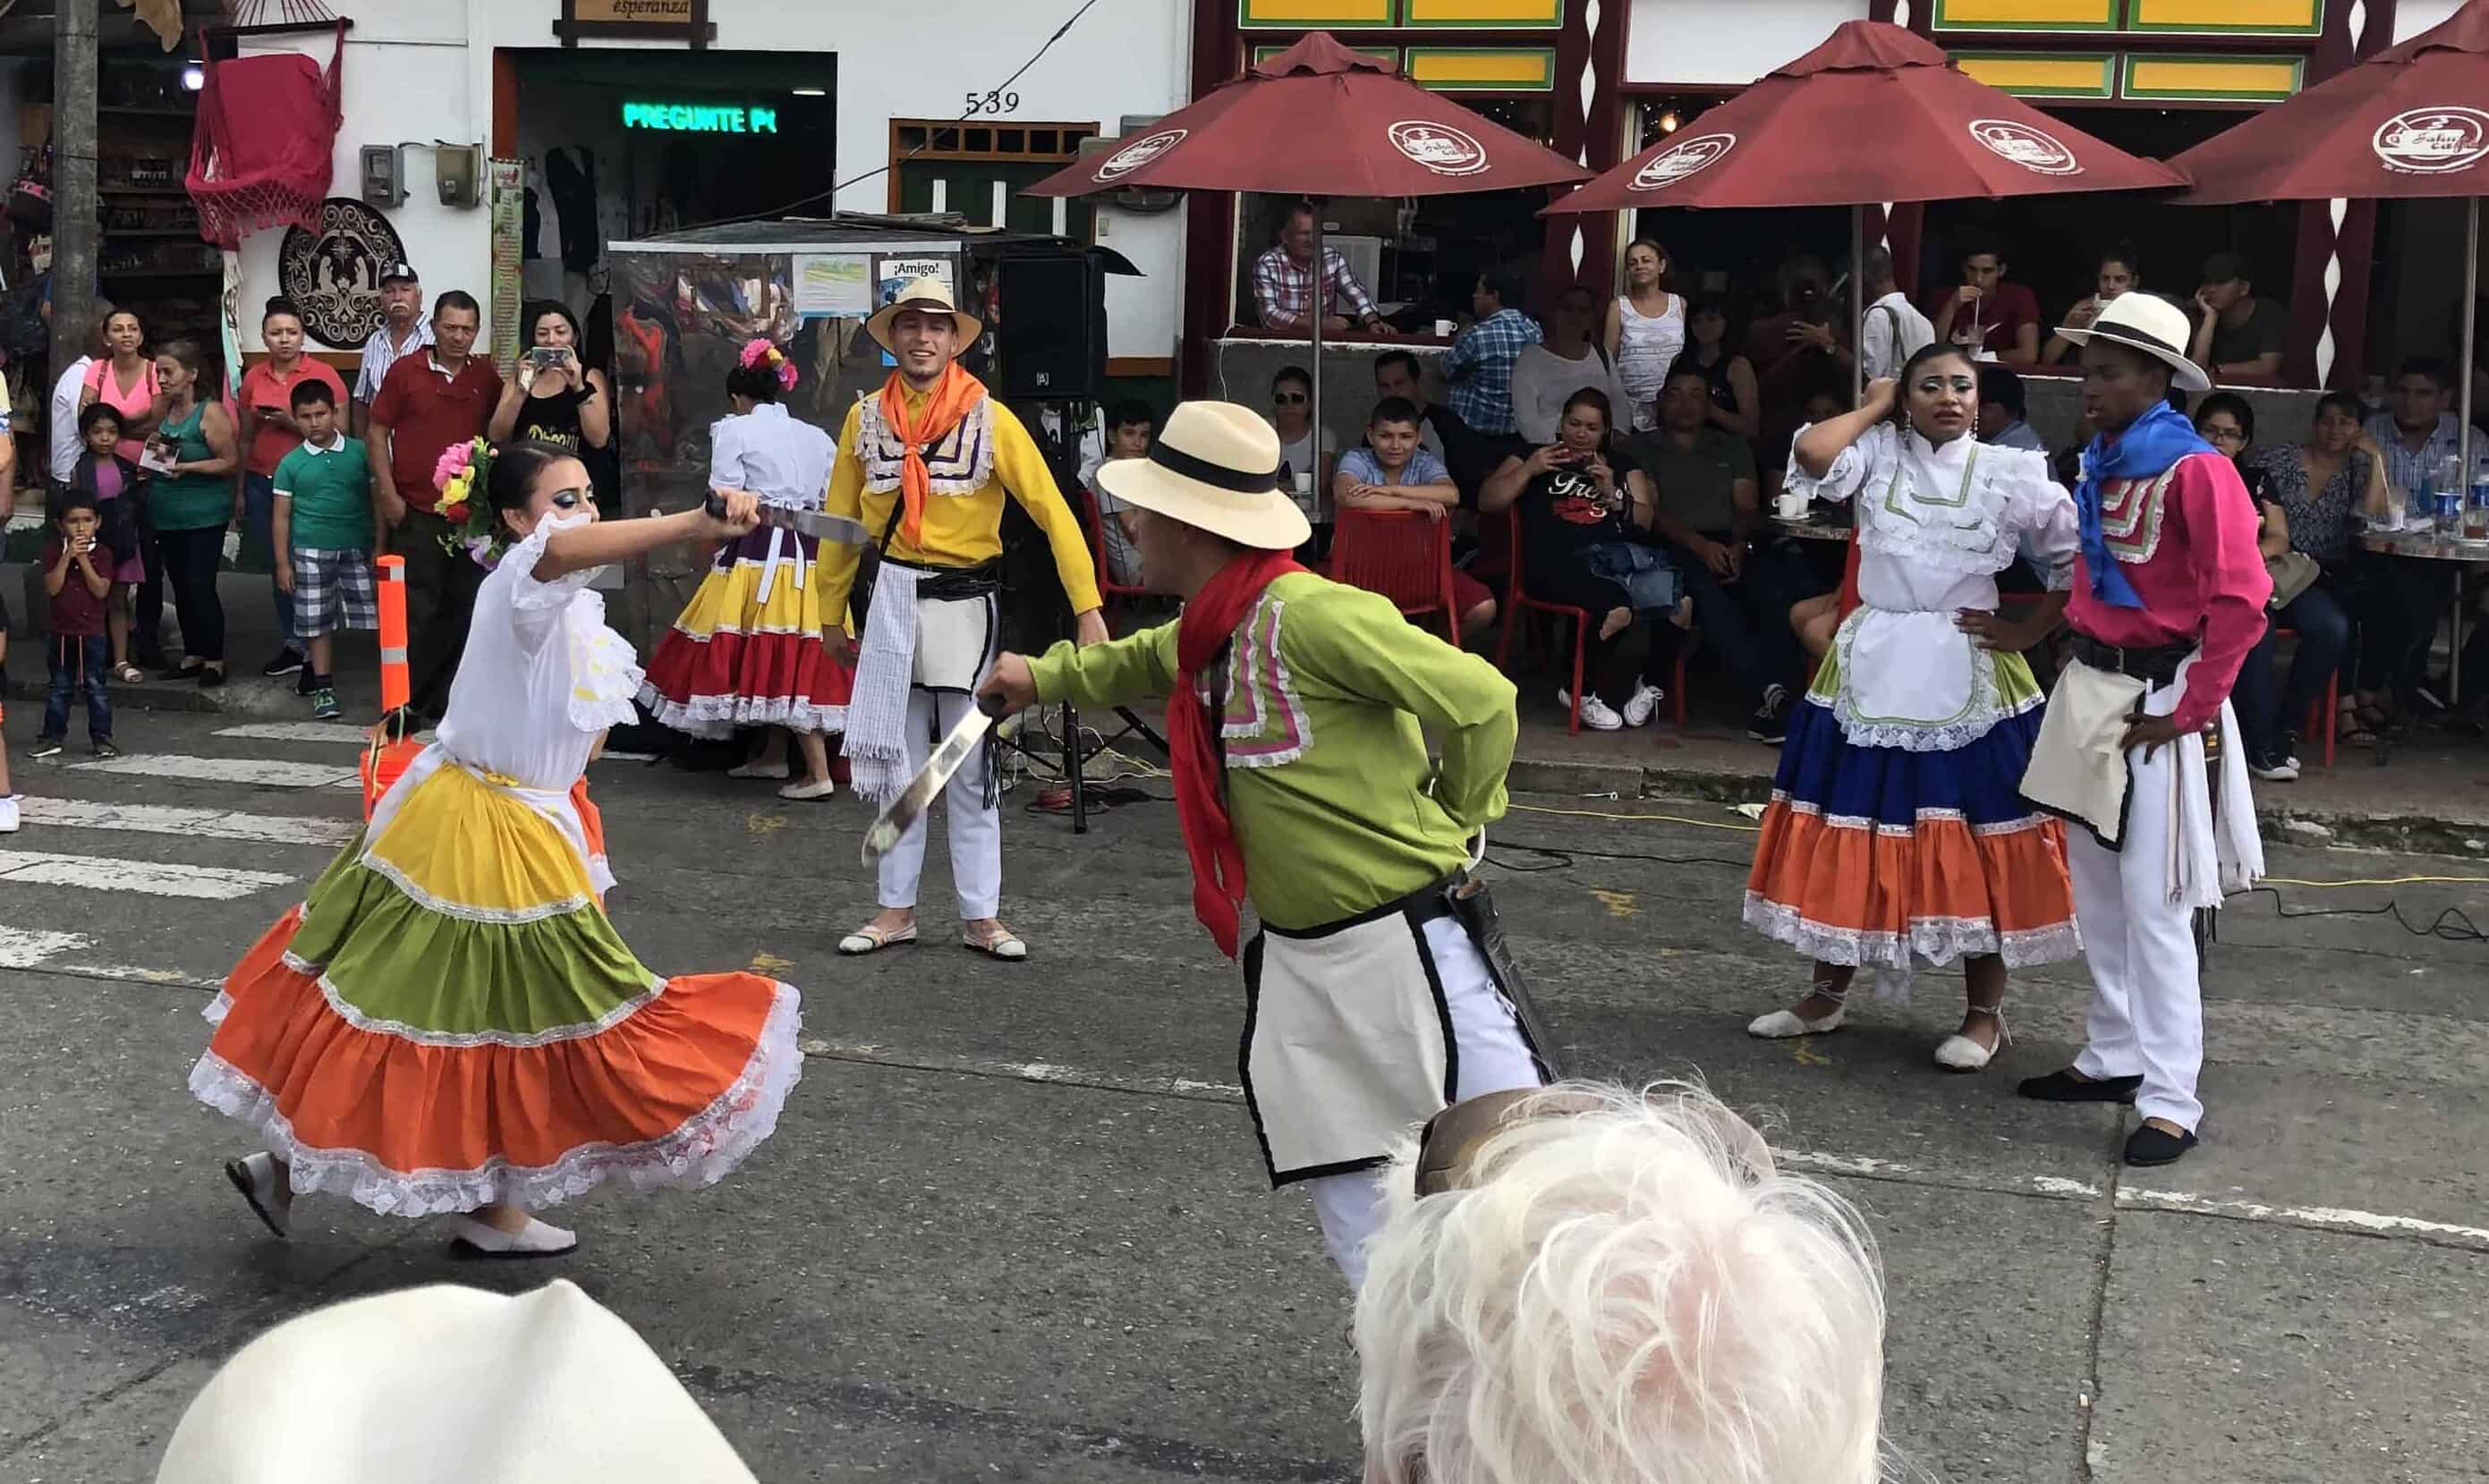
pixel 388 754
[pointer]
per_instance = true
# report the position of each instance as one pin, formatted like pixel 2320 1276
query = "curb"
pixel 252 696
pixel 2281 824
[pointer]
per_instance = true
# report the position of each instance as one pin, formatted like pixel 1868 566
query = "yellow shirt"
pixel 958 531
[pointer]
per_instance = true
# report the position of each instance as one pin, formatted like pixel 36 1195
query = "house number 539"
pixel 996 101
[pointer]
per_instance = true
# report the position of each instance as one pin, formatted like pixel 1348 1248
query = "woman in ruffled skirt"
pixel 1897 826
pixel 752 647
pixel 449 1024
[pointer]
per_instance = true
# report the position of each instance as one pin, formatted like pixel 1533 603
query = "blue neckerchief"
pixel 2148 446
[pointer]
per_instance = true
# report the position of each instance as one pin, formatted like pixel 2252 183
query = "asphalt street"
pixel 1012 1225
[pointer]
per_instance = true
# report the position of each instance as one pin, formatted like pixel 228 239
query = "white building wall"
pixel 422 70
pixel 2413 17
pixel 1704 41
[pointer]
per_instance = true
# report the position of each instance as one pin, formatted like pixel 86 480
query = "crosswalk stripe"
pixel 23 948
pixel 152 878
pixel 199 823
pixel 343 732
pixel 265 772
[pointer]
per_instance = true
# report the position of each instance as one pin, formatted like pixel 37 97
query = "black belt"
pixel 951 583
pixel 2157 664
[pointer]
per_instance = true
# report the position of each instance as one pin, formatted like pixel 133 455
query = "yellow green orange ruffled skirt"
pixel 449 1019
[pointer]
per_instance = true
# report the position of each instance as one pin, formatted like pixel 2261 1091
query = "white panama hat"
pixel 932 296
pixel 2150 324
pixel 1215 465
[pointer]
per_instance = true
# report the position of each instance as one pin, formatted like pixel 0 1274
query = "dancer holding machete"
pixel 1377 990
pixel 925 462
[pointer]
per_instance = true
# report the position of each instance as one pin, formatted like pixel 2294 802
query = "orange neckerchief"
pixel 954 397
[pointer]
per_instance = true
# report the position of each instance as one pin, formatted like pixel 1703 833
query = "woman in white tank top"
pixel 1646 329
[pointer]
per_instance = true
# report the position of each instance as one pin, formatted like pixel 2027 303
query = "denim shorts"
pixel 1650 578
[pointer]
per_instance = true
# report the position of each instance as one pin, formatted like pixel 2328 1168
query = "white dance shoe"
pixel 1960 1053
pixel 537 1238
pixel 1784 1024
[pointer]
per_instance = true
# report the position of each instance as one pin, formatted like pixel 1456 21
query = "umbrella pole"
pixel 1857 304
pixel 2471 309
pixel 1322 280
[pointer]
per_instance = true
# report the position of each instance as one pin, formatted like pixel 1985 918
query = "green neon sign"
pixel 701 118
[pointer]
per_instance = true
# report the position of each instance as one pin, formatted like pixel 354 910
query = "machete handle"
pixel 715 505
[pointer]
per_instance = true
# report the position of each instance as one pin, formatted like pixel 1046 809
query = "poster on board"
pixel 833 285
pixel 892 272
pixel 509 217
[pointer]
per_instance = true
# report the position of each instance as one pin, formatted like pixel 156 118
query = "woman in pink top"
pixel 125 380
pixel 266 432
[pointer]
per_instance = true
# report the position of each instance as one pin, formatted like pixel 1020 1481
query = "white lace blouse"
pixel 542 677
pixel 1935 524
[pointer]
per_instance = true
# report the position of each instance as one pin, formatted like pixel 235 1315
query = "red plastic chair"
pixel 1403 554
pixel 1108 590
pixel 1518 602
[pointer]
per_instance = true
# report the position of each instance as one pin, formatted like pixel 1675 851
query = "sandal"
pixel 870 939
pixel 1005 945
pixel 2351 726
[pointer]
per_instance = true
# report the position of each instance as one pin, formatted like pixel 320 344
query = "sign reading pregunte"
pixel 701 118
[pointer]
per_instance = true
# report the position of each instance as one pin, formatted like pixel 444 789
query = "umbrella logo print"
pixel 2432 141
pixel 1439 146
pixel 2033 149
pixel 1680 161
pixel 1140 152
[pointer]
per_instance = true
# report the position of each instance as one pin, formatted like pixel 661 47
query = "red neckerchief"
pixel 1210 618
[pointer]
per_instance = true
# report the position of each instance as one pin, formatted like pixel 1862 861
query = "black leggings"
pixel 190 561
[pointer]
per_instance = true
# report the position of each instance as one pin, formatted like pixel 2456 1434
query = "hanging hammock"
pixel 263 153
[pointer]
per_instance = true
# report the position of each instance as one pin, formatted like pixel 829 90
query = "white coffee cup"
pixel 1792 504
pixel 1443 328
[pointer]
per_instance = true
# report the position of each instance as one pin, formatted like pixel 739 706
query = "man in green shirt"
pixel 322 533
pixel 1378 991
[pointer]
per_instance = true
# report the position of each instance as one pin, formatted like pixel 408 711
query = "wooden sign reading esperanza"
pixel 662 20
pixel 635 13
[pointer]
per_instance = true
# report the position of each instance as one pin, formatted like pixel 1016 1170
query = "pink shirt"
pixel 2186 541
pixel 136 402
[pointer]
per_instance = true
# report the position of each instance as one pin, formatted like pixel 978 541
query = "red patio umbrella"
pixel 1320 120
pixel 1875 114
pixel 2413 121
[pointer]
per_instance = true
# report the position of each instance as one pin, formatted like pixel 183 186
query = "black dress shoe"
pixel 2063 1086
pixel 2150 1146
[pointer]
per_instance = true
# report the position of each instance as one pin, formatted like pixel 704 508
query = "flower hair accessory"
pixel 762 352
pixel 462 468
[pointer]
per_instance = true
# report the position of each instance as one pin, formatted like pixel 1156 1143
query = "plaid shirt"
pixel 1282 286
pixel 1479 369
pixel 2406 469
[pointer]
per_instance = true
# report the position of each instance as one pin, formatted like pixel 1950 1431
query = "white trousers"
pixel 2147 1011
pixel 1494 1056
pixel 976 830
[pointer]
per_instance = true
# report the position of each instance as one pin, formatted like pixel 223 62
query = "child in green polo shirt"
pixel 323 535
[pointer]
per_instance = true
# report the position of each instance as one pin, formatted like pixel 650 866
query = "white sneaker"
pixel 2283 771
pixel 9 814
pixel 1643 704
pixel 1599 716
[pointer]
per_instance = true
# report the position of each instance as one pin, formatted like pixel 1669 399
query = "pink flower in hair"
pixel 786 374
pixel 756 351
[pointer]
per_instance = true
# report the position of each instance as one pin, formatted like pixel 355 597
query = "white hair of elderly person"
pixel 1606 1286
pixel 450 1386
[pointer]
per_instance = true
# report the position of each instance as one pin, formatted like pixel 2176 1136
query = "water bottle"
pixel 2476 513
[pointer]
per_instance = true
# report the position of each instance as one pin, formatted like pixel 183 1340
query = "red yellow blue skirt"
pixel 449 1019
pixel 1870 855
pixel 749 649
